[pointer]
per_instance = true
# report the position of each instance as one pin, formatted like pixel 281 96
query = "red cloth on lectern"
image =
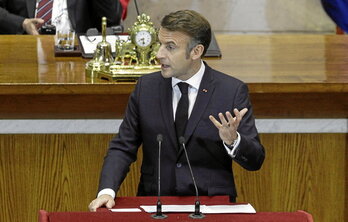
pixel 178 217
pixel 124 4
pixel 43 216
pixel 104 215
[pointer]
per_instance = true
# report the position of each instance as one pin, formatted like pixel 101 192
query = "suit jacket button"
pixel 178 165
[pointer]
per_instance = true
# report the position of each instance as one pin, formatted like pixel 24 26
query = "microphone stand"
pixel 197 214
pixel 159 214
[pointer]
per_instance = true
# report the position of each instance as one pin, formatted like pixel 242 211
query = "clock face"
pixel 143 38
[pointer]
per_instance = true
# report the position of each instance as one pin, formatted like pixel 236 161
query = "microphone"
pixel 197 214
pixel 159 214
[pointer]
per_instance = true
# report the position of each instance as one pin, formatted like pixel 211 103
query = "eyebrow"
pixel 162 42
pixel 170 42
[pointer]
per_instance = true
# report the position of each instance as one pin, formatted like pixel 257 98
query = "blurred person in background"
pixel 28 16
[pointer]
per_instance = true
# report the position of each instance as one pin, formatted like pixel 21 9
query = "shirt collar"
pixel 195 80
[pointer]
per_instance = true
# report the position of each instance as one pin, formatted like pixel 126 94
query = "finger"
pixel 38 21
pixel 92 207
pixel 230 117
pixel 110 204
pixel 239 114
pixel 34 32
pixel 243 112
pixel 215 122
pixel 32 29
pixel 95 204
pixel 223 120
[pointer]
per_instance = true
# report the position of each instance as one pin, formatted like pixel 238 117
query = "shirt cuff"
pixel 107 191
pixel 232 152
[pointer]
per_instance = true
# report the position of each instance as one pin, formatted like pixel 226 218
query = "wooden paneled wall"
pixel 60 173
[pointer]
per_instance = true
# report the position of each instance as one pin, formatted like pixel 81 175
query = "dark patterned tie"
pixel 44 10
pixel 181 114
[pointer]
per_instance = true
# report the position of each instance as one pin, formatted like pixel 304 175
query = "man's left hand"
pixel 228 126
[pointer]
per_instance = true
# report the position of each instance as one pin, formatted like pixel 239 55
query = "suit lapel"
pixel 166 105
pixel 205 92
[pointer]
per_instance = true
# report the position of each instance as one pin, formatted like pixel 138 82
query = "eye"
pixel 170 47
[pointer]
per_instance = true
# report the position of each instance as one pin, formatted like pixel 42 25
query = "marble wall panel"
pixel 245 16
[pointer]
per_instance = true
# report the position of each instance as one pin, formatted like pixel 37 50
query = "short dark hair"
pixel 191 23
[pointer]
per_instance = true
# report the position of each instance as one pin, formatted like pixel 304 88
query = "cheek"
pixel 179 59
pixel 183 64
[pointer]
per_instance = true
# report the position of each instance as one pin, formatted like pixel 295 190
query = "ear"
pixel 197 52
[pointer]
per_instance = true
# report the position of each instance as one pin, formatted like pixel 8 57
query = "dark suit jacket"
pixel 83 14
pixel 150 112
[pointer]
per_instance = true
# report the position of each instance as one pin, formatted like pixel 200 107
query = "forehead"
pixel 177 37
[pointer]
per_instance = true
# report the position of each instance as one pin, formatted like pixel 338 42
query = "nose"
pixel 160 54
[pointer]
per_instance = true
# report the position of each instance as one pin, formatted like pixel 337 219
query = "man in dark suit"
pixel 18 16
pixel 213 139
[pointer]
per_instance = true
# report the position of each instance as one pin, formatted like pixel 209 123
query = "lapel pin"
pixel 205 90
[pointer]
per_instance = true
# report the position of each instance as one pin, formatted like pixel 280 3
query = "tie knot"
pixel 183 86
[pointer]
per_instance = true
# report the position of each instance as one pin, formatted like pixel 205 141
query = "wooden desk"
pixel 304 69
pixel 289 76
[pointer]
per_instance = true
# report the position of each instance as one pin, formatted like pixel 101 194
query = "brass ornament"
pixel 102 58
pixel 134 57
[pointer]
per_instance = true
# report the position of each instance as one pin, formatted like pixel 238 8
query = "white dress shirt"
pixel 60 15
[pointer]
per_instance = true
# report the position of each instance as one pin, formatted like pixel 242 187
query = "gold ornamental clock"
pixel 134 56
pixel 143 34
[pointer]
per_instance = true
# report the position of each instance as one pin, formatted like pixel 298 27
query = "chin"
pixel 166 74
